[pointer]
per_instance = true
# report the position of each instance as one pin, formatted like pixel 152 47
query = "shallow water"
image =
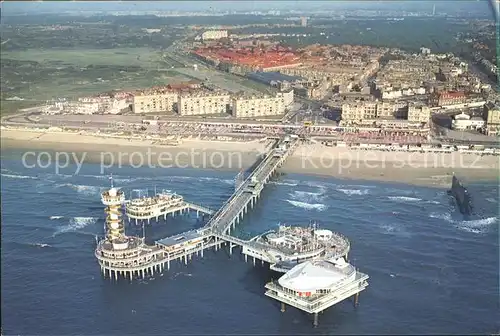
pixel 430 270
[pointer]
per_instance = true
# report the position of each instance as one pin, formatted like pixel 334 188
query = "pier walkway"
pixel 249 191
pixel 218 228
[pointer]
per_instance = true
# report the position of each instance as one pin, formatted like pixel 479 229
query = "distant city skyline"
pixel 443 6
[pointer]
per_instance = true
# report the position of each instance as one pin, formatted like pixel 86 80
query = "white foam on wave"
pixel 19 176
pixel 41 245
pixel 282 183
pixel 491 200
pixel 304 196
pixel 404 198
pixel 84 189
pixel 394 230
pixel 480 225
pixel 56 217
pixel 307 206
pixel 476 225
pixel 76 223
pixel 350 192
pixel 444 216
pixel 216 179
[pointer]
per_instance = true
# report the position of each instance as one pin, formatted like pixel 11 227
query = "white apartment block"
pixel 203 103
pixel 359 111
pixel 161 102
pixel 251 107
pixel 287 97
pixel 419 113
pixel 78 107
pixel 214 34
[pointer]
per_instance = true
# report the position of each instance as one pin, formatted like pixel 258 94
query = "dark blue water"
pixel 430 271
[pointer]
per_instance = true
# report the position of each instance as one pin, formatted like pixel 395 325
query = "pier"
pixel 129 257
pixel 139 259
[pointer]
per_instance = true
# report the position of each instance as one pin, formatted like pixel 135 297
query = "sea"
pixel 431 271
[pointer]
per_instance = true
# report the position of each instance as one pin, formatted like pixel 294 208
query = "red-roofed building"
pixel 448 98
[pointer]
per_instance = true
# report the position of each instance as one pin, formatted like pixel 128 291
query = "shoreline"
pixel 423 169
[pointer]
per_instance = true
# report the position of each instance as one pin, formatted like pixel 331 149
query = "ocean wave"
pixel 288 184
pixel 216 179
pixel 480 225
pixel 19 176
pixel 305 196
pixel 394 230
pixel 308 206
pixel 41 245
pixel 491 200
pixel 76 223
pixel 84 189
pixel 56 217
pixel 476 225
pixel 350 192
pixel 404 198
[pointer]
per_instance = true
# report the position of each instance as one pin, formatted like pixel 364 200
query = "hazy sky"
pixel 18 7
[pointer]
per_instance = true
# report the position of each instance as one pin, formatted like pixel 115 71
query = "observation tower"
pixel 119 254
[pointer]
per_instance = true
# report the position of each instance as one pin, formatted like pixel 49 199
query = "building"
pixel 425 51
pixel 287 97
pixel 200 103
pixel 276 79
pixel 303 21
pixel 492 114
pixel 214 35
pixel 463 122
pixel 251 107
pixel 419 113
pixel 313 286
pixel 154 103
pixel 77 107
pixel 358 111
pixel 392 109
pixel 448 98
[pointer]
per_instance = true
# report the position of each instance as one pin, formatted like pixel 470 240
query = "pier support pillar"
pixel 165 216
pixel 168 264
pixel 202 248
pixel 356 299
pixel 282 307
pixel 254 261
pixel 246 258
pixel 315 322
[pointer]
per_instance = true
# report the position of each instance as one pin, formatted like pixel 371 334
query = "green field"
pixel 142 57
pixel 40 75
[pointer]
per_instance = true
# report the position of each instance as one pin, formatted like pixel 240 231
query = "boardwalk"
pixel 249 191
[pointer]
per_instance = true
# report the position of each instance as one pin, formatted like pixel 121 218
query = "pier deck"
pixel 159 211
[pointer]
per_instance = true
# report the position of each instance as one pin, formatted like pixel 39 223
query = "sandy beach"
pixel 430 169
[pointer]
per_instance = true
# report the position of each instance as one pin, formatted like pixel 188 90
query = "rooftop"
pixel 320 274
pixel 180 238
